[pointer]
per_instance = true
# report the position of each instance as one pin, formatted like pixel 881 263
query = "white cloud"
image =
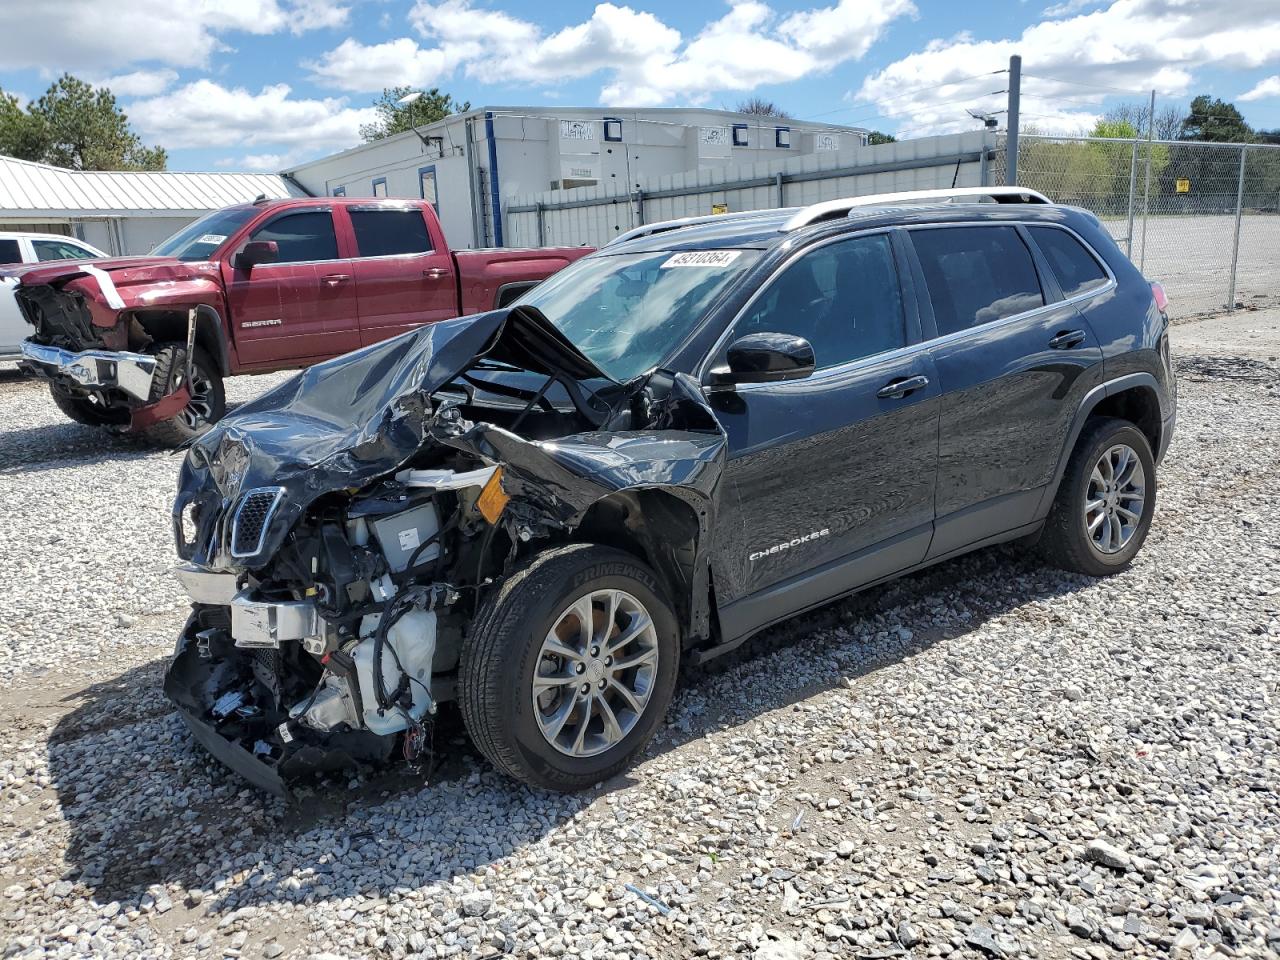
pixel 207 114
pixel 139 83
pixel 86 36
pixel 1270 87
pixel 644 60
pixel 353 65
pixel 1131 45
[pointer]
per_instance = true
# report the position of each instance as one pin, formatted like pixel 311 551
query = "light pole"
pixel 412 97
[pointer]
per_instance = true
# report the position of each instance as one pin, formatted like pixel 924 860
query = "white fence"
pixel 595 215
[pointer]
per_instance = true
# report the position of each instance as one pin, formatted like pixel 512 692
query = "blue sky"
pixel 261 84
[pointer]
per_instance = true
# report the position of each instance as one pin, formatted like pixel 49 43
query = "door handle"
pixel 1067 339
pixel 434 273
pixel 333 279
pixel 902 386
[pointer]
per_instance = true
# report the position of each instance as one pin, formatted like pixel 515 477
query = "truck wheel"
pixel 1105 502
pixel 570 667
pixel 208 398
pixel 85 411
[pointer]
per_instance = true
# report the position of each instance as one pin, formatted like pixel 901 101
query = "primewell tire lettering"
pixel 788 544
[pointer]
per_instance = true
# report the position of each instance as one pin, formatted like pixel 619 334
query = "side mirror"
pixel 256 252
pixel 765 358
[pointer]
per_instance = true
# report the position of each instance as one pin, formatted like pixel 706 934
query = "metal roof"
pixel 37 189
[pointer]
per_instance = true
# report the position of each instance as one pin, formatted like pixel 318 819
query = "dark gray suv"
pixel 702 429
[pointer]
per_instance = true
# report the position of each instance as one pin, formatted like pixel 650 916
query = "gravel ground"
pixel 988 759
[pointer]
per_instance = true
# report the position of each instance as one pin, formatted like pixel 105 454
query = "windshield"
pixel 197 241
pixel 626 312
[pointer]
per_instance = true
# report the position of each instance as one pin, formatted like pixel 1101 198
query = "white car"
pixel 16 248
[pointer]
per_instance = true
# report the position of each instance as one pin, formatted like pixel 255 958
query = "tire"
pixel 505 649
pixel 1067 541
pixel 86 411
pixel 206 408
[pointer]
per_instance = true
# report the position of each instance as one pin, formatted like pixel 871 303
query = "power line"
pixel 899 96
pixel 1080 83
pixel 931 106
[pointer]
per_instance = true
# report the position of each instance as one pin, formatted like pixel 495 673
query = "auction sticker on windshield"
pixel 702 258
pixel 214 238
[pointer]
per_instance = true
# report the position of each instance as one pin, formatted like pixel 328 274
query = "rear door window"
pixel 385 233
pixel 1077 270
pixel 976 275
pixel 302 236
pixel 10 251
pixel 843 298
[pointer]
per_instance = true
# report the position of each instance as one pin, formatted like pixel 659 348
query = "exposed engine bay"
pixel 339 533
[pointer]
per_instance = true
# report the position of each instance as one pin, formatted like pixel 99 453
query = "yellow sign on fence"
pixel 719 208
pixel 1184 185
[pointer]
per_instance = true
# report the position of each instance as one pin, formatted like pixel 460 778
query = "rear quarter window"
pixel 976 275
pixel 10 252
pixel 1077 270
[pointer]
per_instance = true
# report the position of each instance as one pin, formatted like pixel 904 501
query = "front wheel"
pixel 208 400
pixel 570 667
pixel 1105 502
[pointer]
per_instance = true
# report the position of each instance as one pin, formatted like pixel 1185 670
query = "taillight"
pixel 1162 300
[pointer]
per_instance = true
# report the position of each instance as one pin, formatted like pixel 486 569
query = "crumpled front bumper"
pixel 192 683
pixel 132 373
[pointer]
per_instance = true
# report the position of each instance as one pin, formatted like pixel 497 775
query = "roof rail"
pixel 662 226
pixel 830 209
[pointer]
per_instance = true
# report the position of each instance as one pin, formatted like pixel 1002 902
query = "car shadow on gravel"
pixel 163 812
pixel 56 446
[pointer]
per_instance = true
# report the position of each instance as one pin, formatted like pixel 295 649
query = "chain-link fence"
pixel 1202 218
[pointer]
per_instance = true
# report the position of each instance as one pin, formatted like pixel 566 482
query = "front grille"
pixel 249 525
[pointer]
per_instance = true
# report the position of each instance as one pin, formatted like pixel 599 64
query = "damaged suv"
pixel 702 429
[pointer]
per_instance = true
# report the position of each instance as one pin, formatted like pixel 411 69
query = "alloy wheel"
pixel 199 409
pixel 1114 499
pixel 595 673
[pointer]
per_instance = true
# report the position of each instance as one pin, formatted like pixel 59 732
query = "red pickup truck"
pixel 143 343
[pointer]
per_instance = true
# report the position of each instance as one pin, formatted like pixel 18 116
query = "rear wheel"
pixel 1105 502
pixel 208 400
pixel 570 667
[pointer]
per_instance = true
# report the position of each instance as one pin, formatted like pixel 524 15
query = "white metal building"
pixel 120 212
pixel 471 165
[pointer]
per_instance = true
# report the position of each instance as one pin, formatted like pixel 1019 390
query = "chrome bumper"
pixel 131 372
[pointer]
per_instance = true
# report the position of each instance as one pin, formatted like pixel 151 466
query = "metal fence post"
pixel 542 230
pixel 777 182
pixel 1146 184
pixel 1133 184
pixel 1235 245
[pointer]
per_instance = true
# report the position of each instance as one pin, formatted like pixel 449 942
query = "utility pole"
pixel 1011 135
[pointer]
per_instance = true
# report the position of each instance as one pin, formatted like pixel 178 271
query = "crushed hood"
pixel 348 421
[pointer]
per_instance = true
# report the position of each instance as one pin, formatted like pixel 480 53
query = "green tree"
pixel 397 117
pixel 1212 119
pixel 21 135
pixel 77 126
pixel 1114 129
pixel 876 137
pixel 1168 123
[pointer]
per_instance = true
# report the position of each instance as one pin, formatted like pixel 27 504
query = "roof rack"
pixel 830 209
pixel 662 226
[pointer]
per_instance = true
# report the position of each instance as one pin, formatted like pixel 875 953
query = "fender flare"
pixel 209 323
pixel 1088 404
pixel 518 286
